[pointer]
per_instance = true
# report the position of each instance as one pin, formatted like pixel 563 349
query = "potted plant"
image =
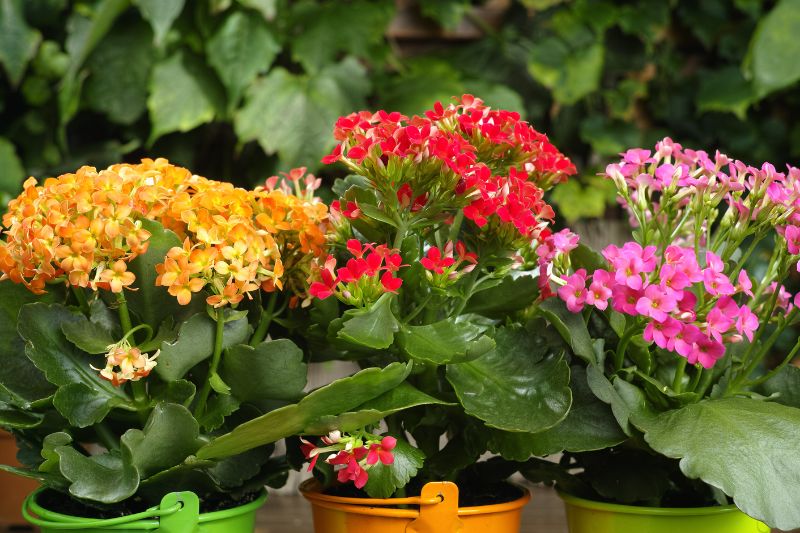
pixel 133 336
pixel 673 329
pixel 433 265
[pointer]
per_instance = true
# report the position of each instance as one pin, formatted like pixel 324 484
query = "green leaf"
pixel 273 370
pixel 267 8
pixel 384 480
pixel 11 417
pixel 314 103
pixel 218 385
pixel 179 391
pixel 195 343
pixel 626 400
pixel 13 174
pixel 570 74
pixel 404 396
pixel 774 48
pixel 105 478
pixel 183 95
pixel 786 385
pixel 514 387
pixel 82 406
pixel 153 304
pixel 512 294
pixel 169 437
pixel 160 14
pixel 40 324
pixel 49 445
pixel 725 90
pixel 243 47
pixel 589 425
pixel 373 327
pixel 338 397
pixel 439 343
pixel 576 201
pixel 18 41
pixel 747 448
pixel 322 41
pixel 19 377
pixel 571 327
pixel 119 64
pixel 217 408
pixel 87 335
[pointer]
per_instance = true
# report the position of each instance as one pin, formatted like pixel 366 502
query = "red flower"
pixel 351 211
pixel 382 451
pixel 308 452
pixel 390 283
pixel 352 470
pixel 435 262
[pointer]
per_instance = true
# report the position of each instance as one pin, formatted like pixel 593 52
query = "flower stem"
pixel 124 314
pixel 206 390
pixel 81 297
pixel 771 374
pixel 265 321
pixel 105 436
pixel 677 382
pixel 138 387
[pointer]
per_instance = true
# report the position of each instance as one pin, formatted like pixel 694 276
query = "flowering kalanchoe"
pixel 443 267
pixel 368 274
pixel 351 455
pixel 126 363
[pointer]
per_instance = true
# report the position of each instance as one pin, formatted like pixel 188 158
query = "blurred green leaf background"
pixel 240 89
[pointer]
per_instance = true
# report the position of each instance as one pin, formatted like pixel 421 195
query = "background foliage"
pixel 237 89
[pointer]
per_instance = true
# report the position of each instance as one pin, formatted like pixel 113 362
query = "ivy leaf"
pixel 335 398
pixel 313 102
pixel 571 74
pixel 576 201
pixel 243 47
pixel 183 95
pixel 195 343
pixel 746 448
pixel 514 387
pixel 384 480
pixel 273 370
pixel 267 8
pixel 160 14
pixel 373 327
pixel 13 173
pixel 774 48
pixel 169 437
pixel 119 64
pixel 725 90
pixel 18 41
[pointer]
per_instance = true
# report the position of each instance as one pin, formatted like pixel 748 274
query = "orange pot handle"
pixel 440 517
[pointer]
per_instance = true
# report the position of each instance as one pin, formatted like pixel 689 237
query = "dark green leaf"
pixel 233 471
pixel 243 47
pixel 439 343
pixel 338 397
pixel 726 90
pixel 626 400
pixel 273 370
pixel 373 327
pixel 82 406
pixel 13 174
pixel 105 478
pixel 217 408
pixel 774 48
pixel 195 343
pixel 178 391
pixel 168 438
pixel 89 336
pixel 267 8
pixel 384 480
pixel 160 14
pixel 11 417
pixel 18 41
pixel 571 327
pixel 183 94
pixel 512 294
pixel 786 385
pixel 745 447
pixel 513 387
pixel 570 74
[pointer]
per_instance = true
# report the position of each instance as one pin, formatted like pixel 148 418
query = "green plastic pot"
pixel 587 516
pixel 179 512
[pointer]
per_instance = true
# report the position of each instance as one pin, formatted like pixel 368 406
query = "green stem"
pixel 106 436
pixel 124 315
pixel 139 388
pixel 400 235
pixel 619 355
pixel 677 382
pixel 455 228
pixel 695 380
pixel 771 374
pixel 81 297
pixel 206 390
pixel 705 381
pixel 265 321
pixel 418 308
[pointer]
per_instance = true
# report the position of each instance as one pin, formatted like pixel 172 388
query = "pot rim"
pixel 311 490
pixel 641 510
pixel 144 523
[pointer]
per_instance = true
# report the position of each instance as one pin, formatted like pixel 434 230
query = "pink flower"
pixel 744 284
pixel 683 342
pixel 706 352
pixel 673 277
pixel 574 292
pixel 717 283
pixel 662 332
pixel 599 290
pixel 792 236
pixel 747 322
pixel 352 470
pixel 686 305
pixel 382 451
pixel 656 302
pixel 718 321
pixel 623 299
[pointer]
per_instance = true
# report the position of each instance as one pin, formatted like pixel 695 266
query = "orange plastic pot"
pixel 13 489
pixel 436 510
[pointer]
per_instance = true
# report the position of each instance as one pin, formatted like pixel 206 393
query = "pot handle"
pixel 439 517
pixel 187 518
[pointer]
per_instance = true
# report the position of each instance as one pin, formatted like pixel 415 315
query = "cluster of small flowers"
pixel 552 253
pixel 488 160
pixel 444 268
pixel 126 363
pixel 366 276
pixel 664 291
pixel 351 456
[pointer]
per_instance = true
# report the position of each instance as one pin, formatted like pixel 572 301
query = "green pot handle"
pixel 186 520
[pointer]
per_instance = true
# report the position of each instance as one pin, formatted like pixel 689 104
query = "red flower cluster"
pixel 353 462
pixel 443 266
pixel 365 277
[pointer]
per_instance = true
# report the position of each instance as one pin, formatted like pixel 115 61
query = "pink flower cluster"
pixel 663 292
pixel 490 160
pixel 551 247
pixel 365 277
pixel 353 462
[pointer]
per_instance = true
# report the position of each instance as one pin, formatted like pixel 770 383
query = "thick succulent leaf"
pixel 571 327
pixel 106 478
pixel 93 335
pixel 335 398
pixel 385 479
pixel 11 417
pixel 273 370
pixel 512 294
pixel 82 406
pixel 513 387
pixel 747 448
pixel 373 327
pixel 404 396
pixel 785 385
pixel 442 342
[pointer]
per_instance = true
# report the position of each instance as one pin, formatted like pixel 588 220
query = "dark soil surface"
pixel 469 496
